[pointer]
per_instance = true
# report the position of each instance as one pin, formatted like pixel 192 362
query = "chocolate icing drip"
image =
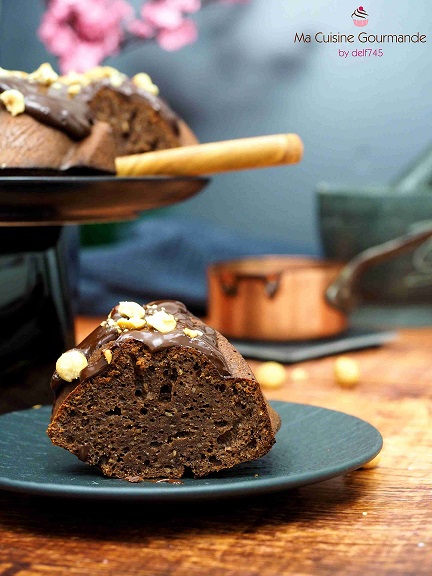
pixel 51 106
pixel 206 343
pixel 154 340
pixel 101 336
pixel 72 114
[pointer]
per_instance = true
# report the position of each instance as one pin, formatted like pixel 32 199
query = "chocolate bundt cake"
pixel 154 392
pixel 79 123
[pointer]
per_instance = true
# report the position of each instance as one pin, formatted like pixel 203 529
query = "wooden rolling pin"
pixel 200 159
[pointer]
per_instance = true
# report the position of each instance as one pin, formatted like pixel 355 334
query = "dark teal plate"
pixel 313 444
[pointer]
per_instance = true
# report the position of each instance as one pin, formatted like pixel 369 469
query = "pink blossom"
pixel 188 6
pixel 166 18
pixel 83 33
pixel 168 13
pixel 84 56
pixel 175 38
pixel 58 39
pixel 162 14
pixel 141 29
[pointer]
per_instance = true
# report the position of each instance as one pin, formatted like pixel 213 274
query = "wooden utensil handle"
pixel 241 154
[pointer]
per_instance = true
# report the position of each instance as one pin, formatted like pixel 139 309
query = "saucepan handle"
pixel 343 294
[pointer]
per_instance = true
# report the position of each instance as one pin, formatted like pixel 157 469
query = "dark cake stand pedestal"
pixel 39 265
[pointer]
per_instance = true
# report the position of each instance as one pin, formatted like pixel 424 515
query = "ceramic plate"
pixel 81 199
pixel 313 444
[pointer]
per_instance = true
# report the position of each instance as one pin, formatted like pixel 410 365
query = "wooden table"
pixel 375 522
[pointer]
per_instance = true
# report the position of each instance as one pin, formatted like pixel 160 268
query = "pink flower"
pixel 141 29
pixel 175 38
pixel 188 6
pixel 166 17
pixel 161 14
pixel 83 33
pixel 84 56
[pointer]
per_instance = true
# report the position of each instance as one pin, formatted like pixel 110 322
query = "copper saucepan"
pixel 284 298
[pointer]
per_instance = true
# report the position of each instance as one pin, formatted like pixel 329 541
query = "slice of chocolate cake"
pixel 153 392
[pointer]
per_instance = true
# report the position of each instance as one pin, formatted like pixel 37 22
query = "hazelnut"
pixel 143 80
pixel 14 73
pixel 372 463
pixel 108 356
pixel 131 310
pixel 117 80
pixel 73 78
pixel 192 333
pixel 70 364
pixel 162 321
pixel 14 101
pixel 298 374
pixel 44 74
pixel 101 72
pixel 346 372
pixel 74 89
pixel 270 374
pixel 133 323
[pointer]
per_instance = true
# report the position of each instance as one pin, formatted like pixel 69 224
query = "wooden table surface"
pixel 375 522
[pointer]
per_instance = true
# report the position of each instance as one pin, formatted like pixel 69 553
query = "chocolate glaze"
pixel 51 107
pixel 206 343
pixel 72 114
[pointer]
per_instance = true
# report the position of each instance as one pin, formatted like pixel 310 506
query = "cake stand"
pixel 39 264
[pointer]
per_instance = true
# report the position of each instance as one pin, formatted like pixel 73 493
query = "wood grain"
pixel 376 522
pixel 213 157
